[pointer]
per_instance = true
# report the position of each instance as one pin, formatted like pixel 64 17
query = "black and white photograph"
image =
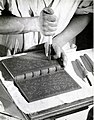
pixel 46 60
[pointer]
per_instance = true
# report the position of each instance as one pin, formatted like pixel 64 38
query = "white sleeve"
pixel 85 7
pixel 1 6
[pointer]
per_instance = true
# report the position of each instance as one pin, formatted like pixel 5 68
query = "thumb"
pixel 57 52
pixel 60 54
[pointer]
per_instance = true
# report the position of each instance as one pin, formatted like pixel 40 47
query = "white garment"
pixel 63 9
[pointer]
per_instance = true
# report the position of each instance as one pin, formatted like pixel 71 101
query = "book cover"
pixel 31 62
pixel 37 78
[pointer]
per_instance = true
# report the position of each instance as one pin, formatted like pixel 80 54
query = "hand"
pixel 59 53
pixel 48 22
pixel 57 46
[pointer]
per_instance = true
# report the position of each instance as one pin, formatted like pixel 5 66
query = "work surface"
pixel 55 105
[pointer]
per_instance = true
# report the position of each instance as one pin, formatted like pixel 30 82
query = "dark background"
pixel 85 39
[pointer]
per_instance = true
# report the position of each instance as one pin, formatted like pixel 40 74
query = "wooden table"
pixel 69 107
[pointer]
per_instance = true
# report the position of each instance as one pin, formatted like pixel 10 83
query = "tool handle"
pixel 49 11
pixel 88 80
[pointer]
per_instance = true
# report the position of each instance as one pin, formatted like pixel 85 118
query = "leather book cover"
pixel 37 77
pixel 31 62
pixel 46 86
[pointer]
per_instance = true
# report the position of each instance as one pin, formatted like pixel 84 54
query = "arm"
pixel 45 23
pixel 76 25
pixel 17 25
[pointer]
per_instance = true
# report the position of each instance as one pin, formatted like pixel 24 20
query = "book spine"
pixel 38 73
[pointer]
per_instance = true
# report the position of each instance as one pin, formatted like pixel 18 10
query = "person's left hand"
pixel 59 53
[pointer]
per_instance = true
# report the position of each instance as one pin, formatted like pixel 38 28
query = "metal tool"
pixel 48 53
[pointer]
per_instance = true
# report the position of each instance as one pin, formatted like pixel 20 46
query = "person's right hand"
pixel 48 22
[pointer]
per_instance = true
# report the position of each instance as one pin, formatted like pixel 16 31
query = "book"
pixel 37 78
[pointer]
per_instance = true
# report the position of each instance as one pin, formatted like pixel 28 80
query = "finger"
pixel 62 60
pixel 8 52
pixel 46 49
pixel 50 18
pixel 49 29
pixel 48 33
pixel 57 51
pixel 64 57
pixel 47 23
pixel 48 10
pixel 60 54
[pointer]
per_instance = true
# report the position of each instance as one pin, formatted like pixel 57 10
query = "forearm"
pixel 17 25
pixel 76 25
